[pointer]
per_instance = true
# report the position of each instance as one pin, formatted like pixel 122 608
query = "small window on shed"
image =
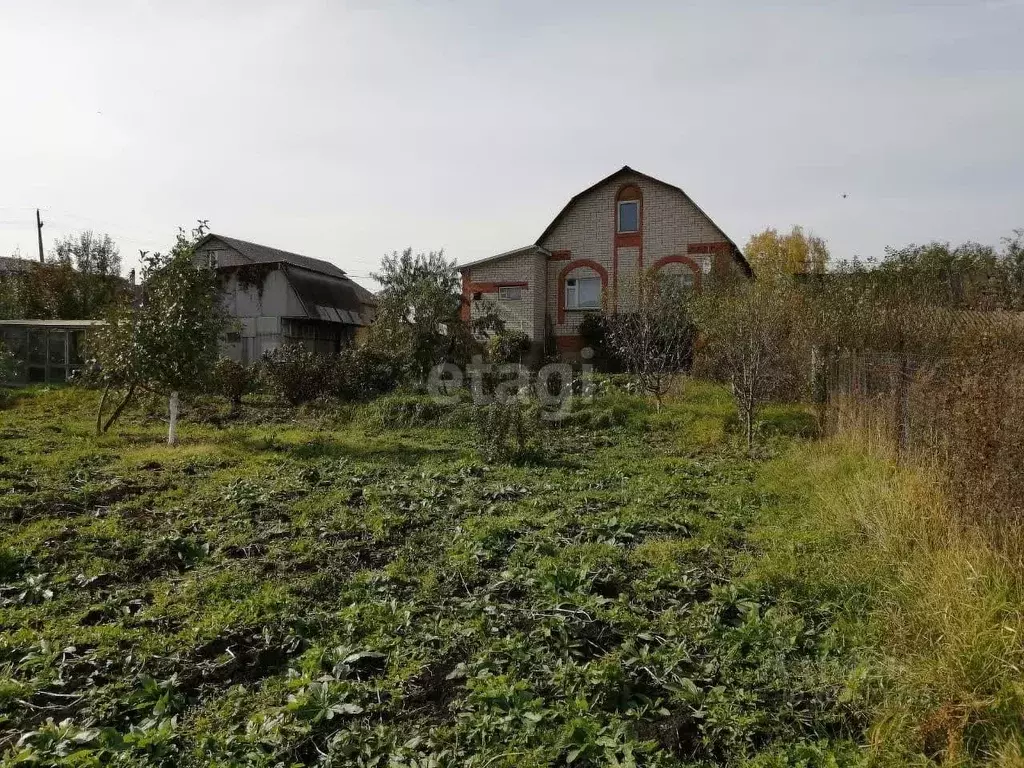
pixel 510 293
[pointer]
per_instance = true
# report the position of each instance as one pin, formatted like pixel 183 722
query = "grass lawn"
pixel 325 586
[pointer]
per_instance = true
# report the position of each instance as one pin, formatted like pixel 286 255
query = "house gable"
pixel 603 240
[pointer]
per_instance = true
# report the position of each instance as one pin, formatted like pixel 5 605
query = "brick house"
pixel 590 256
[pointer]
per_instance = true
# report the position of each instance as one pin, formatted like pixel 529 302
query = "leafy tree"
pixel 41 291
pixel 97 262
pixel 168 343
pixel 751 338
pixel 418 310
pixel 654 342
pixel 794 253
pixel 78 282
pixel 89 253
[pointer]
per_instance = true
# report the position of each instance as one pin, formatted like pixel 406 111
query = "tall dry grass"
pixel 944 602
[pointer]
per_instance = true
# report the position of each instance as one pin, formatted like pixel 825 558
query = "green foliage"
pixel 508 346
pixel 272 593
pixel 79 281
pixel 405 410
pixel 419 311
pixel 296 374
pixel 232 379
pixel 170 341
pixel 594 332
pixel 938 607
pixel 365 371
pixel 507 430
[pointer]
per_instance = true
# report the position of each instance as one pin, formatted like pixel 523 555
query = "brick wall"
pixel 671 226
pixel 524 270
pixel 675 236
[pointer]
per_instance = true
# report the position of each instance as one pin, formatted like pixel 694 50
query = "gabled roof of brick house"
pixel 506 254
pixel 624 170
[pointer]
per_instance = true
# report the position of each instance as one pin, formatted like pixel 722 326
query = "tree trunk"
pixel 99 411
pixel 172 428
pixel 120 407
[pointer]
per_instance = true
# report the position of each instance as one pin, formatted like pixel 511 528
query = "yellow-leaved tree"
pixel 797 252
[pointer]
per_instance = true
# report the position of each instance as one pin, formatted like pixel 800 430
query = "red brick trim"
pixel 467 297
pixel 708 248
pixel 560 283
pixel 469 288
pixel 564 255
pixel 684 260
pixel 628 191
pixel 493 287
pixel 569 347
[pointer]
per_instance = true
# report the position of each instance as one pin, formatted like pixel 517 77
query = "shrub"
pixel 594 332
pixel 613 408
pixel 398 411
pixel 296 374
pixel 510 346
pixel 367 371
pixel 506 431
pixel 231 380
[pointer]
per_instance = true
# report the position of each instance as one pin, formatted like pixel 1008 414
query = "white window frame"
pixel 510 292
pixel 572 293
pixel 618 217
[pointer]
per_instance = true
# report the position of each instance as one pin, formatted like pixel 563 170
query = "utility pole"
pixel 39 231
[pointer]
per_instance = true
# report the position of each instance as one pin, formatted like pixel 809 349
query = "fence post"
pixel 903 407
pixel 819 387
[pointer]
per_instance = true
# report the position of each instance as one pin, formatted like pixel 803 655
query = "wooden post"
pixel 903 407
pixel 39 232
pixel 172 430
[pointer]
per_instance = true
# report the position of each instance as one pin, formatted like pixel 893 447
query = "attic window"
pixel 629 216
pixel 211 258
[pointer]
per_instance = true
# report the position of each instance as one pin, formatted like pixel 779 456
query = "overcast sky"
pixel 347 130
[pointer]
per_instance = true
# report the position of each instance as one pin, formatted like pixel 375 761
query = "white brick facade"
pixel 675 235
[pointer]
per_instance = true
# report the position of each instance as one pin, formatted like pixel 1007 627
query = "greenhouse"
pixel 43 351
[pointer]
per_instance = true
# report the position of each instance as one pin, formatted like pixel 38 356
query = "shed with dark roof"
pixel 279 297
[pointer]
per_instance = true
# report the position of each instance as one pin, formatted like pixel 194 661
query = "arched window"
pixel 628 210
pixel 681 270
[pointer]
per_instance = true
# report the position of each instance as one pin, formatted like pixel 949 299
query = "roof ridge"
pixel 258 253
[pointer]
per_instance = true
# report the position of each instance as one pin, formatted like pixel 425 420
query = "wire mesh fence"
pixel 963 413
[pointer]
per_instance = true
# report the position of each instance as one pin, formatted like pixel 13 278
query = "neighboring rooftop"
pixel 14 264
pixel 264 254
pixel 53 323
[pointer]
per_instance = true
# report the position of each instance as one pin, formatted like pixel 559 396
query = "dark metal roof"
pixel 264 254
pixel 625 170
pixel 327 298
